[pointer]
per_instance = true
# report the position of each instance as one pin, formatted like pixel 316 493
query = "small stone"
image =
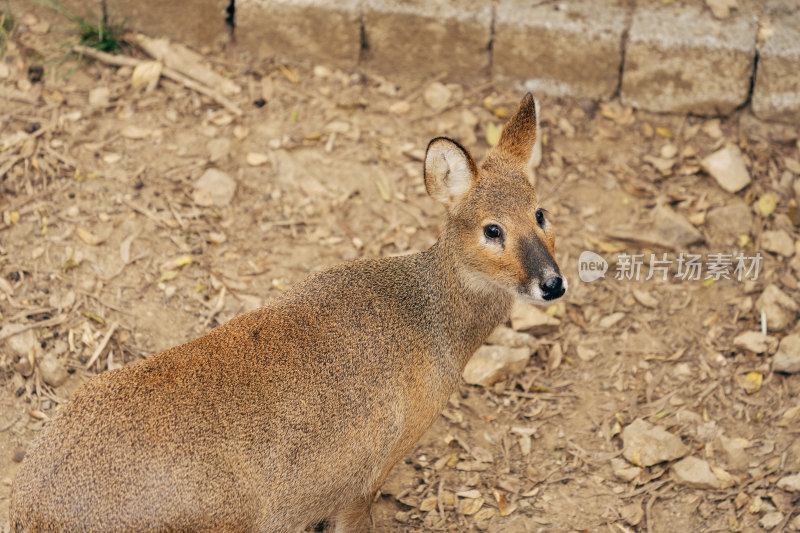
pixel 733 452
pixel 755 342
pixel 632 513
pixel 779 308
pixel 645 444
pixel 611 320
pixel 19 455
pixel 694 472
pixel 623 470
pixel 645 298
pixel 256 159
pixel 437 96
pixel 778 242
pixel 53 372
pixel 724 477
pixel 214 188
pixel 788 357
pixel 771 520
pixel 504 336
pixel 491 364
pixel 20 343
pixel 527 317
pixel 134 132
pixel 666 229
pixel 99 96
pixel 790 483
pixel 218 149
pixel 585 353
pixel 730 220
pixel 669 151
pixel 400 108
pixel 727 167
pixel 721 8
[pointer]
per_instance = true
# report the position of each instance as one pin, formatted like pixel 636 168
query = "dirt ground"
pixel 108 254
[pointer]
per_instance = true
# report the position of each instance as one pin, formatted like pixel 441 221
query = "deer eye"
pixel 492 231
pixel 540 217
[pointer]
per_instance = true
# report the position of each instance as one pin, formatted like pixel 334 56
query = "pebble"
pixel 53 372
pixel 400 108
pixel 491 364
pixel 666 229
pixel 790 483
pixel 778 242
pixel 256 159
pixel 645 444
pixel 21 343
pixel 755 342
pixel 99 96
pixel 727 167
pixel 632 513
pixel 788 357
pixel 505 336
pixel 214 188
pixel 733 451
pixel 734 219
pixel 437 96
pixel 694 472
pixel 779 308
pixel 218 149
pixel 771 520
pixel 530 318
pixel 623 470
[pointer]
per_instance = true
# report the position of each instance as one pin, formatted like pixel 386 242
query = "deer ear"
pixel 520 137
pixel 449 171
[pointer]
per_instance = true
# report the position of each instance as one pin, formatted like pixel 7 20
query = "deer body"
pixel 296 413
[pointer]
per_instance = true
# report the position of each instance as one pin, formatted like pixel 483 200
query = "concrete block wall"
pixel 665 57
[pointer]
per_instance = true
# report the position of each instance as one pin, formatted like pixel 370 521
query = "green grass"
pixel 103 35
pixel 7 25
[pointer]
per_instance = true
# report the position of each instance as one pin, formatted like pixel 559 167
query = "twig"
pixel 218 307
pixel 24 327
pixel 103 343
pixel 166 72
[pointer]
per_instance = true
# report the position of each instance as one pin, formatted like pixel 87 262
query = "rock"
pixel 771 520
pixel 733 452
pixel 527 317
pixel 214 188
pixel 623 470
pixel 218 149
pixel 504 336
pixel 256 159
pixel 437 96
pixel 727 167
pixel 790 483
pixel 724 478
pixel 20 343
pixel 53 372
pixel 778 242
pixel 99 96
pixel 645 444
pixel 780 308
pixel 755 342
pixel 788 357
pixel 632 513
pixel 694 472
pixel 666 229
pixel 730 220
pixel 491 364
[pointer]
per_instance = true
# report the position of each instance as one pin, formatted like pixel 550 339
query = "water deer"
pixel 295 413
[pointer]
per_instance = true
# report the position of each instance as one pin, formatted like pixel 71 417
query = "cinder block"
pixel 680 59
pixel 563 49
pixel 776 94
pixel 196 23
pixel 424 38
pixel 301 30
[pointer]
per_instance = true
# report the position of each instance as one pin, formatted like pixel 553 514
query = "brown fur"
pixel 294 413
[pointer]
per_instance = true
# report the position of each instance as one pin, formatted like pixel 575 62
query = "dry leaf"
pixel 751 383
pixel 146 73
pixel 256 159
pixel 471 505
pixel 429 503
pixel 289 73
pixel 89 237
pixel 176 263
pixel 493 132
pixel 767 204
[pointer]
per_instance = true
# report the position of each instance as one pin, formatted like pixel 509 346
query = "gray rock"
pixel 530 318
pixel 491 364
pixel 645 444
pixel 53 372
pixel 726 165
pixel 218 149
pixel 437 96
pixel 666 229
pixel 771 520
pixel 733 452
pixel 788 357
pixel 504 336
pixel 755 342
pixel 694 472
pixel 623 470
pixel 776 91
pixel 780 308
pixel 20 343
pixel 790 483
pixel 778 242
pixel 214 188
pixel 730 220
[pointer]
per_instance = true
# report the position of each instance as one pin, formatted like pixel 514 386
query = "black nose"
pixel 552 288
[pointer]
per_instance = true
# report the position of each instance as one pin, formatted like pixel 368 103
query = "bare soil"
pixel 99 216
